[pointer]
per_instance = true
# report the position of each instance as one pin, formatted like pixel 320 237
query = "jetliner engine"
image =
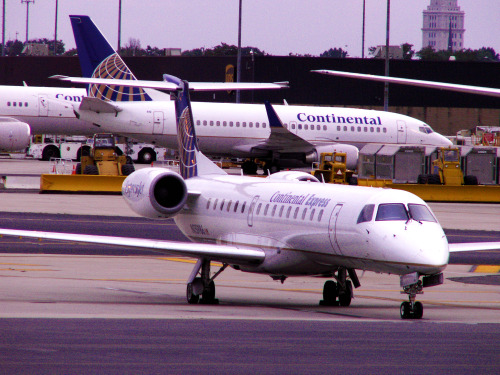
pixel 14 135
pixel 287 224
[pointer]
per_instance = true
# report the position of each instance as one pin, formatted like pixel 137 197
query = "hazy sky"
pixel 277 27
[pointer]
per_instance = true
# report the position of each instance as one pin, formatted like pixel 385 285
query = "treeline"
pixel 133 48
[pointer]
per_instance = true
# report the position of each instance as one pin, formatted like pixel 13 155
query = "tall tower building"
pixel 443 26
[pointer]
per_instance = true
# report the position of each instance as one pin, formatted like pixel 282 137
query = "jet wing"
pixel 473 246
pixel 281 139
pixel 415 82
pixel 221 253
pixel 170 86
pixel 98 105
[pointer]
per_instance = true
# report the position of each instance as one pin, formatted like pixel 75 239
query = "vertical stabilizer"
pixel 99 60
pixel 191 161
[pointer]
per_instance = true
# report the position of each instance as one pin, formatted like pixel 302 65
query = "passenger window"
pixel 304 213
pixel 222 204
pixel 366 213
pixel 26 104
pixel 371 130
pixel 265 209
pixel 198 122
pixel 215 204
pixel 352 128
pixel 274 210
pixel 324 127
pixel 378 130
pixel 243 207
pixel 217 123
pixel 366 129
pixel 229 206
pixel 258 208
pixel 385 130
pixel 244 124
pixel 288 212
pixel 320 215
pixel 306 127
pixel 236 206
pixel 296 213
pixel 211 123
pixel 391 212
pixel 338 128
pixel 420 212
pixel 281 210
pixel 250 124
pixel 237 124
pixel 318 127
pixel 312 214
pixel 230 124
pixel 345 128
pixel 264 125
pixel 204 123
pixel 208 203
pixel 257 124
pixel 224 123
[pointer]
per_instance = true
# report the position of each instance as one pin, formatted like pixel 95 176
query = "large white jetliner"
pixel 238 130
pixel 288 224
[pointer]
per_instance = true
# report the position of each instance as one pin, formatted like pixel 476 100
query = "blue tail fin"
pixel 99 60
pixel 192 162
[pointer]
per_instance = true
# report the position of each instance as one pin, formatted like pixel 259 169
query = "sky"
pixel 278 27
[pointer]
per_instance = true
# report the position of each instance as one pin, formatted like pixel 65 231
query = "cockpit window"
pixel 391 211
pixel 425 129
pixel 366 213
pixel 421 213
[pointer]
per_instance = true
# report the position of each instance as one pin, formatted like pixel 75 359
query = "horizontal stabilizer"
pixel 171 86
pixel 489 91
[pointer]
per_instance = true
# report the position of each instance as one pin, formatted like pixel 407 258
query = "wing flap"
pixel 222 253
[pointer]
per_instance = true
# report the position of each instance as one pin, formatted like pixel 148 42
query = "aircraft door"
pixel 332 230
pixel 401 131
pixel 43 105
pixel 158 121
pixel 251 209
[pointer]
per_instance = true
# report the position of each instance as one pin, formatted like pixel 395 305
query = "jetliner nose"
pixel 430 247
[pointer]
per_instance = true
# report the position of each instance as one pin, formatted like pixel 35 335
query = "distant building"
pixel 395 52
pixel 35 49
pixel 443 26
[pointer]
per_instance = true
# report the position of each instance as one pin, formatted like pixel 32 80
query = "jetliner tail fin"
pixel 191 161
pixel 99 60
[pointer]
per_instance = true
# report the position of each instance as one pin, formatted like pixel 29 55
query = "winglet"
pixel 99 60
pixel 274 120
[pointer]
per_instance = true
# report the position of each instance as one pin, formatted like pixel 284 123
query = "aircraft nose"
pixel 430 248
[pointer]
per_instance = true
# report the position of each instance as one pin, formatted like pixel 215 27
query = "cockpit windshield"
pixel 420 212
pixel 391 211
pixel 366 213
pixel 425 129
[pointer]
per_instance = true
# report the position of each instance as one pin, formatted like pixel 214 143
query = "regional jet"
pixel 287 224
pixel 225 129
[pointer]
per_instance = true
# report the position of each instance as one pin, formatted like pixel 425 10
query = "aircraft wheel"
pixel 405 310
pixel 190 296
pixel 208 295
pixel 418 310
pixel 330 294
pixel 346 296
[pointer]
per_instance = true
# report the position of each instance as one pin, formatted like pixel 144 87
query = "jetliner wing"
pixel 221 253
pixel 170 86
pixel 281 138
pixel 415 82
pixel 473 246
pixel 98 105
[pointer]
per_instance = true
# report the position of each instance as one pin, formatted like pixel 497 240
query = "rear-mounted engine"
pixel 155 192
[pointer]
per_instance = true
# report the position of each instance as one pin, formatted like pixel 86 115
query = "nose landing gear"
pixel 412 286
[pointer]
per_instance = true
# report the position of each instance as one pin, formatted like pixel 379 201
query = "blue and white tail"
pixel 99 60
pixel 191 161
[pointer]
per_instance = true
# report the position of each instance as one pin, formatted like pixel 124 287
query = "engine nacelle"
pixel 293 176
pixel 155 192
pixel 352 154
pixel 14 134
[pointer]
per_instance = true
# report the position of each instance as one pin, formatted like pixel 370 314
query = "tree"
pixel 482 54
pixel 337 53
pixel 224 50
pixel 14 47
pixel 132 48
pixel 408 51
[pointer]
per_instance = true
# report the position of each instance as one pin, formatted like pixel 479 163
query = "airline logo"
pixel 187 145
pixel 332 119
pixel 310 200
pixel 114 67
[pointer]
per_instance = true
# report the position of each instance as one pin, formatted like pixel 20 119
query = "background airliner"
pixel 287 224
pixel 239 130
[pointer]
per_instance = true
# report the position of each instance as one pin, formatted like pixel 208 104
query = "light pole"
pixel 386 84
pixel 119 24
pixel 3 29
pixel 27 14
pixel 363 33
pixel 238 58
pixel 55 32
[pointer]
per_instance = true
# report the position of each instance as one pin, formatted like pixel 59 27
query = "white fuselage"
pixel 222 128
pixel 309 228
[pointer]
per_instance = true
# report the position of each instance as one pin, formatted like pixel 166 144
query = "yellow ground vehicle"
pixel 332 168
pixel 104 159
pixel 447 170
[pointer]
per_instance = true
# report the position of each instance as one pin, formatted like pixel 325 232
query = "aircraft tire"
pixel 418 310
pixel 190 296
pixel 346 296
pixel 405 310
pixel 330 294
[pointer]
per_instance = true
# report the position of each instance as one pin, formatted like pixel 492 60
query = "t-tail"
pixel 99 60
pixel 192 162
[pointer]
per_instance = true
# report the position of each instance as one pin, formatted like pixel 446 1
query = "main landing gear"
pixel 340 293
pixel 203 285
pixel 413 286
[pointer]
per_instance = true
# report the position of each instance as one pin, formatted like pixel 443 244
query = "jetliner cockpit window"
pixel 366 213
pixel 392 212
pixel 425 129
pixel 420 212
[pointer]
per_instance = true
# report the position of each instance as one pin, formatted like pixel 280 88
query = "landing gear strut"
pixel 412 286
pixel 340 293
pixel 202 285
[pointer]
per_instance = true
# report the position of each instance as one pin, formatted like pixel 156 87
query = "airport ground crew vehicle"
pixel 332 168
pixel 104 159
pixel 447 169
